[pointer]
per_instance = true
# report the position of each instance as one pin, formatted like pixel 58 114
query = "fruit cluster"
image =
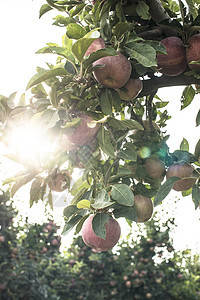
pixel 179 56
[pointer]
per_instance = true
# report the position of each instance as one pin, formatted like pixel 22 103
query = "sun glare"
pixel 30 143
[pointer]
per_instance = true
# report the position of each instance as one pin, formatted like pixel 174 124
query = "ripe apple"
pixel 49 227
pixel 54 242
pixel 128 284
pixel 181 171
pixel 59 182
pixel 155 168
pixel 112 282
pixel 148 295
pixel 174 62
pixel 113 71
pixel 2 238
pixel 96 45
pixel 193 53
pixel 133 88
pixel 144 208
pixel 113 232
pixel 85 132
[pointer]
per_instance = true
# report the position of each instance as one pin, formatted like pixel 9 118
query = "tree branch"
pixel 157 11
pixel 151 85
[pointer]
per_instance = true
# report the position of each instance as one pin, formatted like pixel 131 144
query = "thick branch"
pixel 151 85
pixel 157 11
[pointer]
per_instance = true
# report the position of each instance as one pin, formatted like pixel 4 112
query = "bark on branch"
pixel 151 85
pixel 157 11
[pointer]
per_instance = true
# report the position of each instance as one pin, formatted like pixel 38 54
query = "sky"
pixel 22 34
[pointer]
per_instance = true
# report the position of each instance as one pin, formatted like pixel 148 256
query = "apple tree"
pixel 99 108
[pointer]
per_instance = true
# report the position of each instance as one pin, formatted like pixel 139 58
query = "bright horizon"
pixel 24 33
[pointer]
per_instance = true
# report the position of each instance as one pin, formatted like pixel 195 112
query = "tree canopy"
pixel 83 106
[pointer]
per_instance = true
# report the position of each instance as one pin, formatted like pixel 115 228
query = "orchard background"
pixel 79 116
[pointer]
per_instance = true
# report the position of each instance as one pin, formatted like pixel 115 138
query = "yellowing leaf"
pixel 83 204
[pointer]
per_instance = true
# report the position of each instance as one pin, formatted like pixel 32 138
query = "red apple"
pixel 144 208
pixel 49 227
pixel 155 168
pixel 132 88
pixel 113 71
pixel 112 282
pixel 2 238
pixel 96 45
pixel 181 171
pixel 193 52
pixel 59 182
pixel 128 284
pixel 54 242
pixel 85 132
pixel 174 62
pixel 113 232
pixel 148 295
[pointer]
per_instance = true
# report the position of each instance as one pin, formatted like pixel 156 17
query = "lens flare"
pixel 29 143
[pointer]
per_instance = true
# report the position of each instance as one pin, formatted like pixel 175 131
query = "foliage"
pixel 114 165
pixel 143 266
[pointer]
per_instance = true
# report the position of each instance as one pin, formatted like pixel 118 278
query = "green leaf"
pixel 75 31
pixel 79 185
pixel 20 182
pixel 69 211
pixel 76 9
pixel 105 102
pixel 187 96
pixel 161 104
pixel 124 124
pixel 143 53
pixel 115 98
pixel 62 21
pixel 142 10
pixel 50 117
pixel 83 204
pixel 128 154
pixel 192 8
pixel 36 191
pixel 53 96
pixel 98 224
pixel 44 9
pixel 157 45
pixel 43 75
pixel 122 194
pixel 80 224
pixel 102 200
pixel 104 141
pixel 196 195
pixel 120 29
pixel 70 68
pixel 56 50
pixel 70 224
pixel 184 145
pixel 125 212
pixel 80 47
pixel 198 118
pixel 186 193
pixel 197 149
pixel 164 190
pixel 97 55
